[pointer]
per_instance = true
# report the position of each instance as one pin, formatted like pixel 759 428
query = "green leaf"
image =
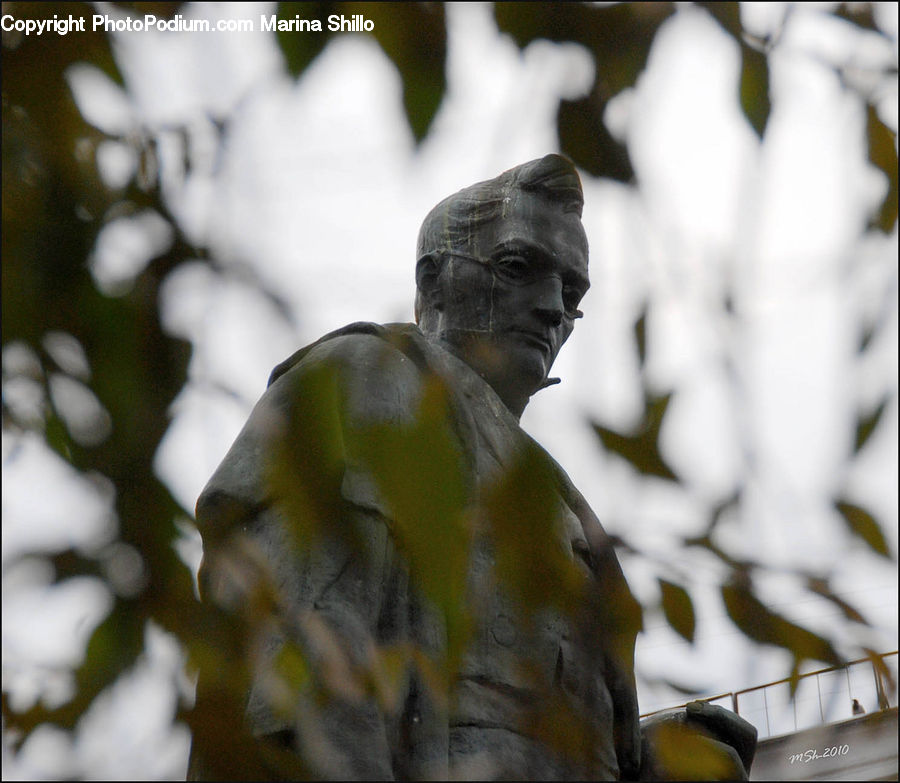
pixel 55 54
pixel 863 524
pixel 681 752
pixel 640 335
pixel 113 648
pixel 754 89
pixel 865 339
pixel 759 623
pixel 300 49
pixel 532 553
pixel 619 36
pixel 306 456
pixel 586 140
pixel 414 36
pixel 70 563
pixel 687 689
pixel 883 154
pixel 865 426
pixel 681 687
pixel 641 448
pixel 886 683
pixel 859 14
pixel 794 677
pixel 718 512
pixel 821 587
pixel 754 86
pixel 678 609
pixel 419 470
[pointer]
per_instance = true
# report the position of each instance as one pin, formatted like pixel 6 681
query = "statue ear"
pixel 428 270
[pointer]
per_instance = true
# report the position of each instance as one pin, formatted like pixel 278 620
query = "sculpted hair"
pixel 453 223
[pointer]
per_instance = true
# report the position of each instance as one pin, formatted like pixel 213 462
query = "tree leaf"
pixel 682 687
pixel 718 512
pixel 619 37
pixel 678 609
pixel 754 89
pixel 113 648
pixel 641 448
pixel 859 14
pixel 431 527
pixel 865 339
pixel 821 587
pixel 759 623
pixel 885 679
pixel 883 154
pixel 530 553
pixel 306 456
pixel 866 425
pixel 640 335
pixel 682 752
pixel 414 36
pixel 754 85
pixel 586 140
pixel 863 524
pixel 300 50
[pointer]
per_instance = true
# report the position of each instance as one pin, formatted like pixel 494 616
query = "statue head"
pixel 501 268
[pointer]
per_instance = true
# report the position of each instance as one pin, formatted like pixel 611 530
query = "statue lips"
pixel 536 339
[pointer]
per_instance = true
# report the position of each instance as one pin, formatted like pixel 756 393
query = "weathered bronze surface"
pixel 541 670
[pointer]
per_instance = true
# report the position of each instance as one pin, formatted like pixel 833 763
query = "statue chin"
pixel 513 368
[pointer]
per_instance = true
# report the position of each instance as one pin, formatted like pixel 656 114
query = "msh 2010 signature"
pixel 811 755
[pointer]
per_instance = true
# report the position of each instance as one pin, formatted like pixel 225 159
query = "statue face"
pixel 507 310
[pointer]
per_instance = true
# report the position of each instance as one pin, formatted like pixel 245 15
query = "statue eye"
pixel 512 267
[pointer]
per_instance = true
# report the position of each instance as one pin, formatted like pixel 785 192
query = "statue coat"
pixel 356 577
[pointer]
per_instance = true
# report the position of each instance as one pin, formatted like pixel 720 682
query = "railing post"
pixel 794 705
pixel 819 691
pixel 879 687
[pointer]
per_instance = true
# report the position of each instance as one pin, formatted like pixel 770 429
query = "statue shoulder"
pixel 377 371
pixel 362 374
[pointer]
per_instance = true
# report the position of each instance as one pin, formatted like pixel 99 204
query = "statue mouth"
pixel 535 339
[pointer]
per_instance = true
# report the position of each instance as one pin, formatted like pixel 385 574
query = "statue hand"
pixel 701 742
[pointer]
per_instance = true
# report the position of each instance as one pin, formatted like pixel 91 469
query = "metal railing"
pixel 823 696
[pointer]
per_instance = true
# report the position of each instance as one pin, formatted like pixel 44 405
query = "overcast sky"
pixel 319 191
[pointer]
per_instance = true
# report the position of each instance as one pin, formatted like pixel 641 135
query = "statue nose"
pixel 551 317
pixel 548 304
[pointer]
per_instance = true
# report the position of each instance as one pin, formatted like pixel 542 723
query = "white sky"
pixel 319 192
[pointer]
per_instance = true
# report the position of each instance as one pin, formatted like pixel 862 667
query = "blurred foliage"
pixel 684 754
pixel 55 206
pixel 419 471
pixel 412 35
pixel 678 608
pixel 762 625
pixel 641 448
pixel 619 36
pixel 754 86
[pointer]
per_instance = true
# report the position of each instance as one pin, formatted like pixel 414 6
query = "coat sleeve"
pixel 618 620
pixel 293 503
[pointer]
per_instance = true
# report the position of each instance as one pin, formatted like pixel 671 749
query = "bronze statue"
pixel 385 486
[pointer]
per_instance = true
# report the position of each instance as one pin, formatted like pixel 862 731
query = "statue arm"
pixel 701 742
pixel 618 621
pixel 293 490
